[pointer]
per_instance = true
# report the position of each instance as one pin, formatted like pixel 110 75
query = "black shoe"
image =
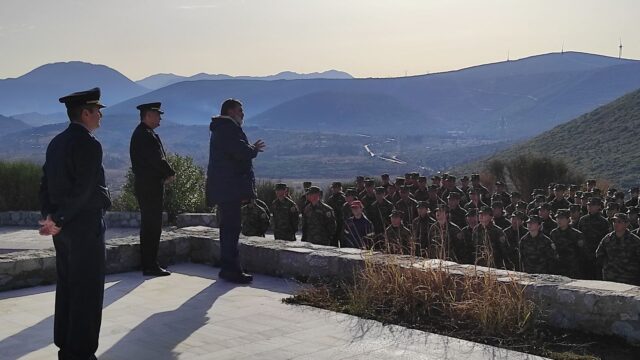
pixel 237 277
pixel 158 271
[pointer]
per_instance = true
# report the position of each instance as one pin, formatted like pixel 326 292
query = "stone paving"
pixel 191 315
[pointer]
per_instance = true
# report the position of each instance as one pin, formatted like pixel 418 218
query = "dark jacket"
pixel 73 180
pixel 148 159
pixel 230 173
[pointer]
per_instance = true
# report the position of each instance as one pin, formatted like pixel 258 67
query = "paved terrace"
pixel 192 315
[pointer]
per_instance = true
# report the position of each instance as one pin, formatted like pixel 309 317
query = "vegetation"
pixel 19 186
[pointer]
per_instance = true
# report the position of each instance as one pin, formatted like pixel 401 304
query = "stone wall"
pixel 591 306
pixel 114 219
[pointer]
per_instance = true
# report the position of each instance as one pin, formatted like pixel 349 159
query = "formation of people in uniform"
pixel 579 231
pixel 566 230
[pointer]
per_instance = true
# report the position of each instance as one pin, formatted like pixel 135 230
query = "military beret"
pixel 591 181
pixel 281 186
pixel 404 188
pixel 369 182
pixel 619 195
pixel 351 192
pixel 82 98
pixel 516 194
pixel 634 189
pixel 432 188
pixel 336 184
pixel 633 210
pixel 485 210
pixel 464 178
pixel 472 212
pixel 563 213
pixel 621 217
pixel 451 178
pixel 613 205
pixel 454 195
pixel 356 204
pixel 497 204
pixel 400 180
pixel 475 176
pixel 313 190
pixel 575 207
pixel 380 190
pixel 560 187
pixel 422 179
pixel 535 219
pixel 384 176
pixel 306 184
pixel 422 204
pixel 545 206
pixel 595 201
pixel 154 106
pixel 396 213
pixel 518 214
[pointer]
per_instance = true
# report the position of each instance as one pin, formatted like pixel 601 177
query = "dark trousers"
pixel 150 196
pixel 229 221
pixel 80 265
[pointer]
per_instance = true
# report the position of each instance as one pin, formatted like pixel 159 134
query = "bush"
pixel 19 186
pixel 185 194
pixel 528 172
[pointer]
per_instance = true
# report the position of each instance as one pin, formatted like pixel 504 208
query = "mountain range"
pixel 157 81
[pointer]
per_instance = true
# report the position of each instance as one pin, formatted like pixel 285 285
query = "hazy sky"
pixel 375 38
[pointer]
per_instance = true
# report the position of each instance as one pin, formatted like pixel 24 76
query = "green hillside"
pixel 603 143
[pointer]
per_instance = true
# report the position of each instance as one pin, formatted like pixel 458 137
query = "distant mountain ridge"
pixel 157 81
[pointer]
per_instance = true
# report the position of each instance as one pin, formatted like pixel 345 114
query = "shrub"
pixel 19 186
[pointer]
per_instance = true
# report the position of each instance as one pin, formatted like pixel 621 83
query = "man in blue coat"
pixel 230 182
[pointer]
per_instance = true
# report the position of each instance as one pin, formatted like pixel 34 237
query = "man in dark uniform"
pixel 421 193
pixel 286 215
pixel 380 211
pixel 74 198
pixel 152 172
pixel 633 201
pixel 594 227
pixel 336 201
pixel 230 181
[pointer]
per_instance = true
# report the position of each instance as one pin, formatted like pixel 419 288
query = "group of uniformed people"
pixel 578 231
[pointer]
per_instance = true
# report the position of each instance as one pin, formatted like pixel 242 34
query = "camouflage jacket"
pixel 255 220
pixel 569 245
pixel 285 219
pixel 379 214
pixel 398 240
pixel 537 254
pixel 620 258
pixel 490 245
pixel 443 242
pixel 319 224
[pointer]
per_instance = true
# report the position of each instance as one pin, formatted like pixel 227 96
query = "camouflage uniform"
pixel 379 214
pixel 548 225
pixel 255 220
pixel 319 224
pixel 367 200
pixel 420 230
pixel 501 222
pixel 458 216
pixel 594 227
pixel 620 258
pixel 445 242
pixel 408 208
pixel 398 240
pixel 569 244
pixel 490 245
pixel 465 253
pixel 513 237
pixel 559 203
pixel 421 194
pixel 336 201
pixel 285 219
pixel 537 254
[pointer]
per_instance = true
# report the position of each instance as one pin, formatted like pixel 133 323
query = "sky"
pixel 366 38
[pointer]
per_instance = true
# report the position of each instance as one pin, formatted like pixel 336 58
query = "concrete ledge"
pixel 197 219
pixel 591 306
pixel 119 219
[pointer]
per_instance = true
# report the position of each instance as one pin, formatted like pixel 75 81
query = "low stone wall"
pixel 591 306
pixel 115 219
pixel 197 219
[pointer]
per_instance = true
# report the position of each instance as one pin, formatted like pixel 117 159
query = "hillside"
pixel 507 100
pixel 10 125
pixel 602 143
pixel 38 91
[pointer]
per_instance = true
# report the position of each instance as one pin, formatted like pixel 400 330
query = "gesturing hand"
pixel 259 145
pixel 48 227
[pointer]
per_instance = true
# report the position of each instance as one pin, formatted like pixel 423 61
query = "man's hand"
pixel 259 145
pixel 169 180
pixel 48 227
